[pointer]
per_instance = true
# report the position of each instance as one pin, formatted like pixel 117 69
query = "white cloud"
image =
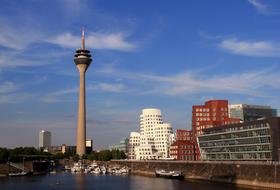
pixel 247 83
pixel 20 38
pixel 259 6
pixel 113 41
pixel 251 48
pixel 19 59
pixel 59 96
pixel 9 93
pixel 7 87
pixel 14 97
pixel 17 38
pixel 110 87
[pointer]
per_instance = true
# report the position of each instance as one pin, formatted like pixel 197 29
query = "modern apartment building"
pixel 246 112
pixel 213 113
pixel 252 140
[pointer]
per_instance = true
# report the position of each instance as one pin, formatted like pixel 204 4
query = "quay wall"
pixel 259 174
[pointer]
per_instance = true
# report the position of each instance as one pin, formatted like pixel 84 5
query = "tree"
pixel 76 157
pixel 4 155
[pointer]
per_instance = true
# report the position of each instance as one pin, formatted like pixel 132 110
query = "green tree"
pixel 4 155
pixel 76 157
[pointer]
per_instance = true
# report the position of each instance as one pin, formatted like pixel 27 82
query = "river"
pixel 108 182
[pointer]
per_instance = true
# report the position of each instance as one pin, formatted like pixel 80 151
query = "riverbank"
pixel 265 175
pixel 254 174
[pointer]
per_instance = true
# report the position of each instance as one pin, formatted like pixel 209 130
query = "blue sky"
pixel 164 54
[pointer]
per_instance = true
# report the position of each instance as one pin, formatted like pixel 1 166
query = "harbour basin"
pixel 107 182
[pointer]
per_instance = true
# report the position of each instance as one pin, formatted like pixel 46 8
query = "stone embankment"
pixel 259 174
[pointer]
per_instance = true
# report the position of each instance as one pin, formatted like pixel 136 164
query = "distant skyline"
pixel 146 54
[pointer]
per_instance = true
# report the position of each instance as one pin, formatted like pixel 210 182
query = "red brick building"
pixel 183 147
pixel 212 114
pixel 182 150
pixel 184 135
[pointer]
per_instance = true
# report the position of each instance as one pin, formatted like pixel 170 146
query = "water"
pixel 91 182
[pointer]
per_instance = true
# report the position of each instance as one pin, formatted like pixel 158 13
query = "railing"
pixel 17 166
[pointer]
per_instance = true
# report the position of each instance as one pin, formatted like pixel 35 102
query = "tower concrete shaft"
pixel 81 129
pixel 82 60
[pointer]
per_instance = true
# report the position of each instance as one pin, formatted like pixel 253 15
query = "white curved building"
pixel 149 118
pixel 154 136
pixel 163 134
pixel 134 141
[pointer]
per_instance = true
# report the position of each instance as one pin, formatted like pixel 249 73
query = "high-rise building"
pixel 82 60
pixel 213 113
pixel 45 140
pixel 246 112
pixel 155 136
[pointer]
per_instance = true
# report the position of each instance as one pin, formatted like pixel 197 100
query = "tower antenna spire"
pixel 83 38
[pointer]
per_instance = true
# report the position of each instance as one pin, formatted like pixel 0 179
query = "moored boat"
pixel 77 168
pixel 18 174
pixel 169 174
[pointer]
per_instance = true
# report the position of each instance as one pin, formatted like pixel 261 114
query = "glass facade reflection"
pixel 254 140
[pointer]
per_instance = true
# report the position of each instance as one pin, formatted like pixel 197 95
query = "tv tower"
pixel 82 60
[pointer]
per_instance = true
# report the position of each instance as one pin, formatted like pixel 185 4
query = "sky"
pixel 146 54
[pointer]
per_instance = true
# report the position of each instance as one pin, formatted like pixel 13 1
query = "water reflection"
pixel 80 181
pixel 139 182
pixel 88 182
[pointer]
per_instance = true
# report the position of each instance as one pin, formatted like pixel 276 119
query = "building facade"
pixel 182 150
pixel 155 137
pixel 246 112
pixel 248 141
pixel 184 135
pixel 212 114
pixel 134 141
pixel 89 146
pixel 45 140
pixel 63 149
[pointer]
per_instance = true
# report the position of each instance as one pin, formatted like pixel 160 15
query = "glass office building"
pixel 246 112
pixel 257 140
pixel 121 146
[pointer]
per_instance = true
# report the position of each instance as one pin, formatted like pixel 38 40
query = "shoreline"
pixel 241 183
pixel 258 175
